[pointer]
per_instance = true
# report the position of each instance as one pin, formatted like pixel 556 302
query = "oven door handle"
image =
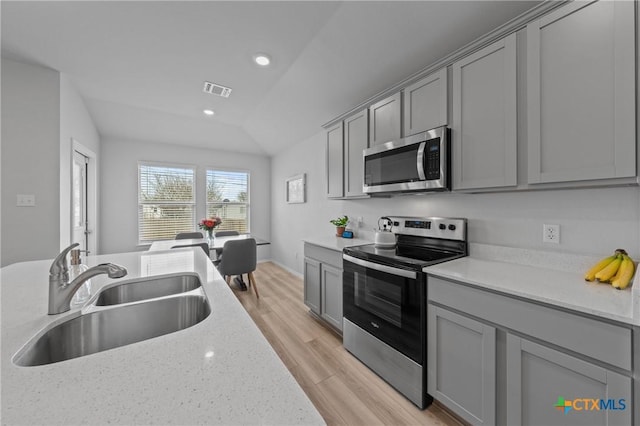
pixel 382 268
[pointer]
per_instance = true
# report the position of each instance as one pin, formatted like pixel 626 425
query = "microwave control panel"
pixel 432 159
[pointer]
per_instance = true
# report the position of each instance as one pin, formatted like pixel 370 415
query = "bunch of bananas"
pixel 616 269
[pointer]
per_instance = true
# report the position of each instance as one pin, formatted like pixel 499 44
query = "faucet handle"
pixel 59 265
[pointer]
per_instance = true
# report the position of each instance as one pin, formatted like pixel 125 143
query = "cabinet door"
pixel 425 104
pixel 356 139
pixel 548 387
pixel 335 158
pixel 484 125
pixel 384 120
pixel 461 365
pixel 331 284
pixel 581 93
pixel 312 284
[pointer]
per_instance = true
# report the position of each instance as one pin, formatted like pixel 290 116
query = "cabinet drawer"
pixel 596 339
pixel 324 255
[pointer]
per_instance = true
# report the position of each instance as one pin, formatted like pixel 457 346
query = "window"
pixel 228 198
pixel 166 201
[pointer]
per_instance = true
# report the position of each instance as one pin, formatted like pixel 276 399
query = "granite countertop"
pixel 220 371
pixel 335 243
pixel 557 287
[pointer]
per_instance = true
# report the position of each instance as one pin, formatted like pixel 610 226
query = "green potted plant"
pixel 340 223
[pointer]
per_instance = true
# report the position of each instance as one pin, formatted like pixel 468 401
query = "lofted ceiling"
pixel 140 66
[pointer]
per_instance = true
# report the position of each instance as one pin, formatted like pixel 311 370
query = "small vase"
pixel 210 234
pixel 339 231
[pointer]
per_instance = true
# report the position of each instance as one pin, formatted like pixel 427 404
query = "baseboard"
pixel 286 268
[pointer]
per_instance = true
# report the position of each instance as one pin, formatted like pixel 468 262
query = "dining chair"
pixel 239 258
pixel 223 234
pixel 188 235
pixel 205 247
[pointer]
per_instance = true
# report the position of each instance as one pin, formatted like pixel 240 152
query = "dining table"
pixel 216 246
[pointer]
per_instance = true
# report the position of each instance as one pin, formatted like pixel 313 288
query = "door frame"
pixel 92 194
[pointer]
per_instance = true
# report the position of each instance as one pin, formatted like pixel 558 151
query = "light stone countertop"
pixel 335 243
pixel 164 380
pixel 556 286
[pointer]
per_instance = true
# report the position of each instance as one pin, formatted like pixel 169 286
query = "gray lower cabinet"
pixel 323 283
pixel 331 291
pixel 549 387
pixel 494 359
pixel 461 365
pixel 312 284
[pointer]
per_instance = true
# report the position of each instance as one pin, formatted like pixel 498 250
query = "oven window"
pixel 378 298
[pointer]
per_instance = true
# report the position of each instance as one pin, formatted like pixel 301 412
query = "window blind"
pixel 228 198
pixel 166 201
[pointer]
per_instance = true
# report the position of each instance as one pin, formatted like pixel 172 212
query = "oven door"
pixel 387 302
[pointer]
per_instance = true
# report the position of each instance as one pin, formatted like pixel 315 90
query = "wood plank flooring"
pixel 344 391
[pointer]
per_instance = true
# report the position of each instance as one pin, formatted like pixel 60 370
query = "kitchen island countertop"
pixel 220 371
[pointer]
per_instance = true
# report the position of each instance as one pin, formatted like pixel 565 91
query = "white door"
pixel 79 197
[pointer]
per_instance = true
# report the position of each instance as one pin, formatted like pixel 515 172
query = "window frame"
pixel 193 203
pixel 230 170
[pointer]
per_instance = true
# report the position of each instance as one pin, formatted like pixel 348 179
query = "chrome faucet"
pixel 61 290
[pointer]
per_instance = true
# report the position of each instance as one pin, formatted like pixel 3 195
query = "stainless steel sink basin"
pixel 113 327
pixel 147 288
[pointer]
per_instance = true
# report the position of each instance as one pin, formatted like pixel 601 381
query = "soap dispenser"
pixel 76 268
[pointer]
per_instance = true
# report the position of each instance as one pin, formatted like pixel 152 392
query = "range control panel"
pixel 437 227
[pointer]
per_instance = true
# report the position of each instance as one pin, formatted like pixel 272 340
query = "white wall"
pixel 119 180
pixel 593 221
pixel 77 124
pixel 30 161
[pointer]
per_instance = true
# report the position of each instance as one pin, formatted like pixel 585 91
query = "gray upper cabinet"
pixel 581 93
pixel 335 162
pixel 385 120
pixel 356 139
pixel 425 104
pixel 484 124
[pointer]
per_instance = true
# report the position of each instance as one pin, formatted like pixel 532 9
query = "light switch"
pixel 26 200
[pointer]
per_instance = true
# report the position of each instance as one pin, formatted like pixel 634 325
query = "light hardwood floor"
pixel 344 391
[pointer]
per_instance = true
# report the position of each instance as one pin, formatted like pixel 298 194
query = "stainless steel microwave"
pixel 417 163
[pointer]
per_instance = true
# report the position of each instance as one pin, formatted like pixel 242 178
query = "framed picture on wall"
pixel 295 189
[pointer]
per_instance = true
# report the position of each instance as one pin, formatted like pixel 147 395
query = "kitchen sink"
pixel 147 288
pixel 112 327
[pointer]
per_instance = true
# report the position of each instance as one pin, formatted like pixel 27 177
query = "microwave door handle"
pixel 420 164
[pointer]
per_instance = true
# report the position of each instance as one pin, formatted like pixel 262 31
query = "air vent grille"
pixel 216 89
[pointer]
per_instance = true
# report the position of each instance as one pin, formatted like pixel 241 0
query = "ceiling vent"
pixel 216 89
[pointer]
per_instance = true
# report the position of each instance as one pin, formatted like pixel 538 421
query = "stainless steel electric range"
pixel 385 300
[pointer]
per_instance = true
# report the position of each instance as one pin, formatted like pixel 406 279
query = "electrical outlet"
pixel 359 220
pixel 551 234
pixel 26 200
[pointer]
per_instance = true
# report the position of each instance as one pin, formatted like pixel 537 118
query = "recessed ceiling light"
pixel 208 112
pixel 262 59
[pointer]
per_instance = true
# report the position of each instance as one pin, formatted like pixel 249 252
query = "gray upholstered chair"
pixel 226 233
pixel 205 246
pixel 223 234
pixel 240 257
pixel 188 235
